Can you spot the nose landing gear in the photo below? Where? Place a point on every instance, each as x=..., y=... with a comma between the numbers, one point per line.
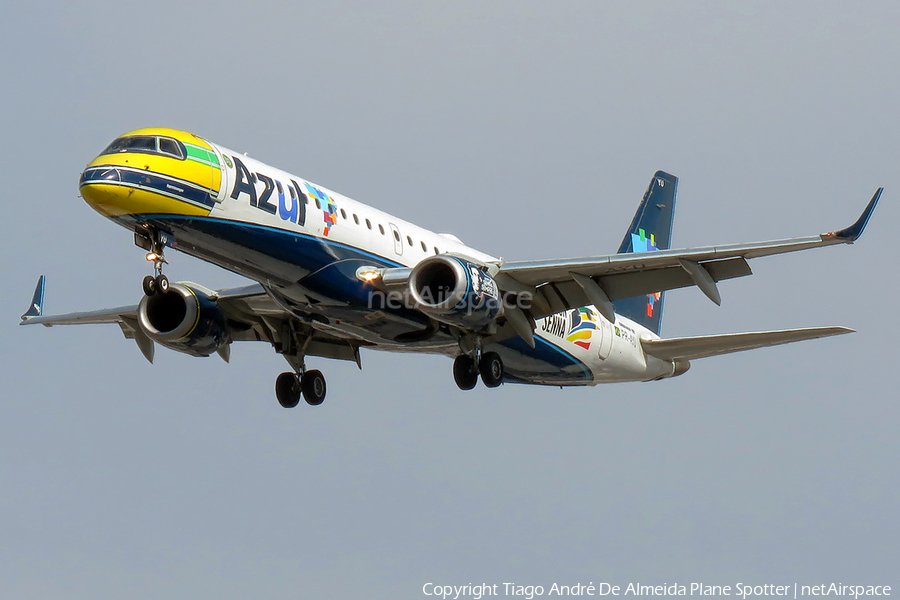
x=155, y=242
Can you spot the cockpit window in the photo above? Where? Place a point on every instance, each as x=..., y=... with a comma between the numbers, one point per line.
x=170, y=147
x=147, y=144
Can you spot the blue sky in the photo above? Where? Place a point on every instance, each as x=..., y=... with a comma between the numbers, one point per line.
x=529, y=130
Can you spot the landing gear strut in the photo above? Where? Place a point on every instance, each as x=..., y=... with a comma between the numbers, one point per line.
x=290, y=387
x=466, y=370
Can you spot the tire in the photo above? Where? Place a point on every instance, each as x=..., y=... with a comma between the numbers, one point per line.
x=287, y=390
x=149, y=285
x=162, y=283
x=464, y=372
x=313, y=385
x=491, y=367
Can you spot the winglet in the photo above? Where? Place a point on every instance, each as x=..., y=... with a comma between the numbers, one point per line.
x=852, y=233
x=37, y=301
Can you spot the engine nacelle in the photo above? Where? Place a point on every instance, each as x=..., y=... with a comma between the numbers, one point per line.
x=455, y=291
x=184, y=319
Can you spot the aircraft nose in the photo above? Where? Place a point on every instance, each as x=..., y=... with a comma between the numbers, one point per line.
x=122, y=190
x=101, y=188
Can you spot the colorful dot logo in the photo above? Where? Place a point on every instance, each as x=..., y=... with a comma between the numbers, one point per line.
x=641, y=242
x=329, y=207
x=584, y=323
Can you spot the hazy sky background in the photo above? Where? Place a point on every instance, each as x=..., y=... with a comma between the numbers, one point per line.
x=530, y=130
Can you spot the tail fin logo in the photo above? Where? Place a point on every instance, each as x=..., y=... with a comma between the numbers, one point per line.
x=652, y=299
x=641, y=242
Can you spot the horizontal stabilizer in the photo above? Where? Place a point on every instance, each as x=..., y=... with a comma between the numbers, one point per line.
x=712, y=345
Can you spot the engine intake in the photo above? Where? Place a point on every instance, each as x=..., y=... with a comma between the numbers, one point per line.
x=455, y=291
x=184, y=319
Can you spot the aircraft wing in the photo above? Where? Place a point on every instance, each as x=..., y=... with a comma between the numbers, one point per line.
x=689, y=348
x=106, y=315
x=558, y=285
x=252, y=315
x=235, y=302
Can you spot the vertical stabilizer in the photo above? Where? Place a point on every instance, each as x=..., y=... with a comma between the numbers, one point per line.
x=650, y=230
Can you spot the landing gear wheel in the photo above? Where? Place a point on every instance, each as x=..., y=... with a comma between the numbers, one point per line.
x=464, y=372
x=287, y=390
x=491, y=367
x=149, y=285
x=162, y=283
x=313, y=385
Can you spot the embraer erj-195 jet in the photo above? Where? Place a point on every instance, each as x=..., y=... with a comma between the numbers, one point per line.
x=334, y=275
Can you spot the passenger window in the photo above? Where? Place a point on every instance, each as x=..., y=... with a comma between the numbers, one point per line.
x=424, y=247
x=436, y=251
x=343, y=213
x=409, y=240
x=355, y=219
x=318, y=204
x=369, y=224
x=396, y=235
x=381, y=228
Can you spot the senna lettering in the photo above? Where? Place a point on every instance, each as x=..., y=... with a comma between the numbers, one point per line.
x=557, y=324
x=245, y=182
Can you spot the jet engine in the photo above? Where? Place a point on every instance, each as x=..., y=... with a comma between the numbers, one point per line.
x=184, y=319
x=455, y=291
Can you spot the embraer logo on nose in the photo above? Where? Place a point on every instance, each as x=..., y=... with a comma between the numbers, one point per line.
x=245, y=183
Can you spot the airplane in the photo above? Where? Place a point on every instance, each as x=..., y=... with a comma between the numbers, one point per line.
x=333, y=276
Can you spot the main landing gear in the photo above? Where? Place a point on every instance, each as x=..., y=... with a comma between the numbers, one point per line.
x=466, y=370
x=289, y=387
